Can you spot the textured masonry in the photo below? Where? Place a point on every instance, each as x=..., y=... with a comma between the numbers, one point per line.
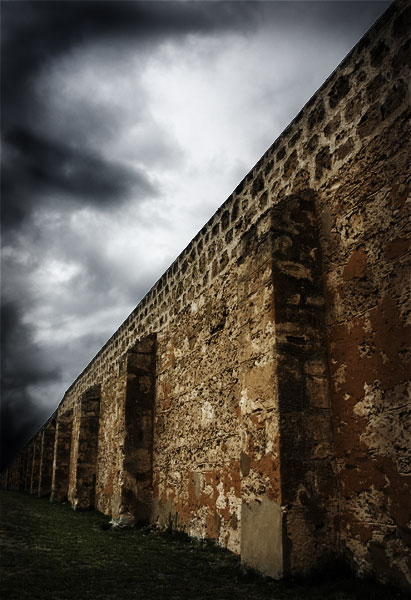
x=35, y=466
x=46, y=458
x=83, y=458
x=61, y=458
x=257, y=395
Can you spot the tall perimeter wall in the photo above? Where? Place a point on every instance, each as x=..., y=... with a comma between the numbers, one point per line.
x=258, y=394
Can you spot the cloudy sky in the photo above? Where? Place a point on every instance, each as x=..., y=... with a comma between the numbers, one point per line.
x=124, y=126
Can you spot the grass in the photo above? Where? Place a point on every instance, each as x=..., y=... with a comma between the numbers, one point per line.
x=48, y=551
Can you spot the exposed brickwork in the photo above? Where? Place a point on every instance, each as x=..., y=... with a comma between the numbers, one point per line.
x=258, y=393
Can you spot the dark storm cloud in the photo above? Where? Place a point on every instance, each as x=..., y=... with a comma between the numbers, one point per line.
x=20, y=418
x=35, y=33
x=51, y=28
x=26, y=364
x=58, y=167
x=22, y=365
x=36, y=168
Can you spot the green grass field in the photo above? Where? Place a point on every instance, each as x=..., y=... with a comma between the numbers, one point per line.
x=48, y=551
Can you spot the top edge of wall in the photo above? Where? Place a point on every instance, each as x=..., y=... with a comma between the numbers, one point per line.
x=379, y=25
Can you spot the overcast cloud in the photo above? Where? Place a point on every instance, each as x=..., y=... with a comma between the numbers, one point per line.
x=124, y=126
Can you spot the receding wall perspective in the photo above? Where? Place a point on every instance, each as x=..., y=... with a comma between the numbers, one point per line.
x=257, y=395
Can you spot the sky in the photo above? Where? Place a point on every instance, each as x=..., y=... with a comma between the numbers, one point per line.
x=124, y=126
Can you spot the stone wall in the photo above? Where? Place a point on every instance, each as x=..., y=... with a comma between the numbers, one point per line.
x=257, y=394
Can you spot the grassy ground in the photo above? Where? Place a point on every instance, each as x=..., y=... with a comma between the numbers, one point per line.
x=51, y=552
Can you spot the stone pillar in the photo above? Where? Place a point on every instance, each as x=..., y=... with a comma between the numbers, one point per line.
x=35, y=470
x=47, y=455
x=10, y=481
x=290, y=396
x=307, y=459
x=3, y=478
x=29, y=467
x=261, y=514
x=61, y=458
x=83, y=495
x=136, y=489
x=23, y=469
x=14, y=474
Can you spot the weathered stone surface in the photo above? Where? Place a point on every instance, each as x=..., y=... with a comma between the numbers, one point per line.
x=29, y=464
x=35, y=467
x=136, y=490
x=261, y=536
x=258, y=393
x=61, y=457
x=83, y=461
x=46, y=459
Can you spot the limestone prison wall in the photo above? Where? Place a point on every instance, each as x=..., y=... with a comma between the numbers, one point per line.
x=257, y=395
